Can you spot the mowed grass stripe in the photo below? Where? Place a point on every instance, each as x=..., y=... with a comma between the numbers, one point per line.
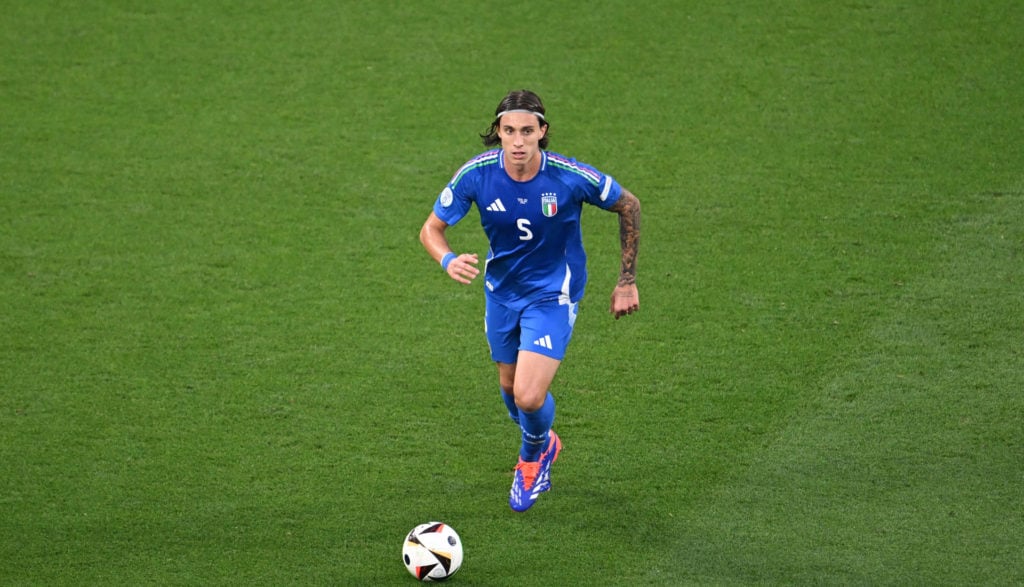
x=904, y=466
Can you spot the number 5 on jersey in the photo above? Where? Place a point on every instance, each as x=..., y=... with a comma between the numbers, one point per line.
x=524, y=229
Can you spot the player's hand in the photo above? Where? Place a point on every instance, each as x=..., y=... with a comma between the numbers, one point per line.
x=463, y=268
x=625, y=300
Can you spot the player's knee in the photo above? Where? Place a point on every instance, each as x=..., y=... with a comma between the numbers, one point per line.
x=530, y=400
x=507, y=377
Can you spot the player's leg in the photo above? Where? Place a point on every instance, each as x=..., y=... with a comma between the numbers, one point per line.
x=506, y=380
x=540, y=444
x=533, y=376
x=546, y=330
x=502, y=328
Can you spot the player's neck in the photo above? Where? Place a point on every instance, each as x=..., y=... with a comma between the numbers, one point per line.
x=524, y=171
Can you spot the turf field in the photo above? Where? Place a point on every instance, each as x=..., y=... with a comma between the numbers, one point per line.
x=225, y=358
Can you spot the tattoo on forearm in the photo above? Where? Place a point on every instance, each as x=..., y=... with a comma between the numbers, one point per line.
x=628, y=208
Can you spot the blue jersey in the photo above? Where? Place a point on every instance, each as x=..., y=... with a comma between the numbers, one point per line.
x=536, y=246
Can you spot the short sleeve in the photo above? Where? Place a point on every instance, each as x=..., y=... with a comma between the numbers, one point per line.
x=607, y=193
x=453, y=202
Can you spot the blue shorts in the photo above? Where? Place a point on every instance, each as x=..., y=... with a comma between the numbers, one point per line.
x=542, y=327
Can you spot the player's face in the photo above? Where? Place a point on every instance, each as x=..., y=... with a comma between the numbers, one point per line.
x=520, y=134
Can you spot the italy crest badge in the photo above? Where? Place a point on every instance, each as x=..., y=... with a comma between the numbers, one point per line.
x=549, y=204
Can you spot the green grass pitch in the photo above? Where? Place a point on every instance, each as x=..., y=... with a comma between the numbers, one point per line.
x=225, y=358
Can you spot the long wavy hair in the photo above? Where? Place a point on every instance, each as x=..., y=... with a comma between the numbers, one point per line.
x=516, y=100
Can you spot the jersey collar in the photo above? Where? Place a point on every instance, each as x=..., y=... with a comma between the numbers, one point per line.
x=543, y=159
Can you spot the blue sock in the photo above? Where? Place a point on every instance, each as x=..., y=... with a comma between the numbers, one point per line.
x=510, y=403
x=535, y=427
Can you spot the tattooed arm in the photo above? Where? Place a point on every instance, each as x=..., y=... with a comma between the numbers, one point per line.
x=625, y=297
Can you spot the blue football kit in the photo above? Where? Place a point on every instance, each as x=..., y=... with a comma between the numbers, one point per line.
x=535, y=272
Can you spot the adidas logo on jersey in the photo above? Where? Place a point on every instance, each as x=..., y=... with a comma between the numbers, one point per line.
x=544, y=341
x=496, y=206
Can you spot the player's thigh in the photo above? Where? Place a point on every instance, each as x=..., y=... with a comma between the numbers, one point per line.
x=546, y=328
x=501, y=325
x=546, y=332
x=534, y=374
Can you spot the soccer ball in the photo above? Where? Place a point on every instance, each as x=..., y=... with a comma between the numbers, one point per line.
x=432, y=551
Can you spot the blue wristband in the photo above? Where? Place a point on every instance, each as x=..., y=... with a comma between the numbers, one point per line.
x=447, y=259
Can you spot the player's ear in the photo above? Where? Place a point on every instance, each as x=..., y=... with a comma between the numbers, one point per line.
x=543, y=130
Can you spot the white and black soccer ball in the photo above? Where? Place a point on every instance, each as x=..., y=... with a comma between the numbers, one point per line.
x=432, y=551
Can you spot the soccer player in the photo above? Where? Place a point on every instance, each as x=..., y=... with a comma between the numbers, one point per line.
x=530, y=201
